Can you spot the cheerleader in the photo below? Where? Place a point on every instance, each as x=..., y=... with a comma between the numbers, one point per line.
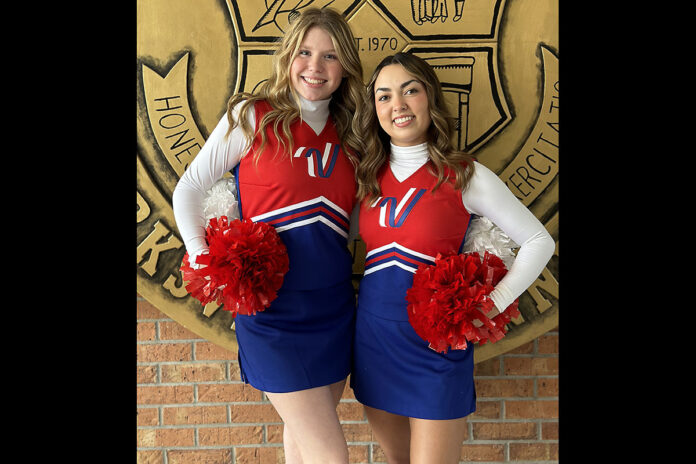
x=292, y=147
x=417, y=196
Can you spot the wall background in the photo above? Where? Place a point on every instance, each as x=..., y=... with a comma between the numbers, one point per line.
x=500, y=60
x=194, y=409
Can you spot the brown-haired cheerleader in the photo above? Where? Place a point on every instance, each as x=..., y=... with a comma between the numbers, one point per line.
x=418, y=195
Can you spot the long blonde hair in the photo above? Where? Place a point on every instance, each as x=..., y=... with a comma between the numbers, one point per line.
x=279, y=92
x=441, y=151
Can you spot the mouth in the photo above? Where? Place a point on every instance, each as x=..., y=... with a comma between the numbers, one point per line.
x=403, y=121
x=313, y=82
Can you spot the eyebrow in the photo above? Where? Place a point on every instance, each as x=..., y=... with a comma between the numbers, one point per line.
x=386, y=89
x=304, y=46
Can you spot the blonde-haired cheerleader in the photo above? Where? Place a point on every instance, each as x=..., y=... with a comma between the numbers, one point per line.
x=293, y=147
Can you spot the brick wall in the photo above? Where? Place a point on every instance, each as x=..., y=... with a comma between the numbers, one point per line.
x=194, y=409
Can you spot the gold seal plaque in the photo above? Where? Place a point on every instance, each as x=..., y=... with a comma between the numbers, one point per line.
x=498, y=64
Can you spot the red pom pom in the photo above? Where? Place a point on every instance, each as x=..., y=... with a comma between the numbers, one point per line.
x=449, y=295
x=243, y=269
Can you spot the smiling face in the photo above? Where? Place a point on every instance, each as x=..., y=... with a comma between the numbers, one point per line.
x=315, y=71
x=401, y=103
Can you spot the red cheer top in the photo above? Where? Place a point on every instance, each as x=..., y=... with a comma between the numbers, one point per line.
x=405, y=227
x=307, y=197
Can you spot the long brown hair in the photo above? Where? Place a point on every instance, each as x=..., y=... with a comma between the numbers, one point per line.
x=441, y=151
x=279, y=92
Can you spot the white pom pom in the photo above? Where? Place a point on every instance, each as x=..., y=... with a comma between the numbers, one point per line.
x=482, y=235
x=221, y=200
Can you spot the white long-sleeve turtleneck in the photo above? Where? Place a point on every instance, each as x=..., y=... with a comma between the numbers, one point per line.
x=488, y=196
x=219, y=155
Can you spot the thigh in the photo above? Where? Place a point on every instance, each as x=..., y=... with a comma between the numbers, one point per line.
x=392, y=431
x=310, y=417
x=336, y=390
x=437, y=440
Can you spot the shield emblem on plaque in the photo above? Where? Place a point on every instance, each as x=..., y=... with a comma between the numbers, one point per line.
x=194, y=54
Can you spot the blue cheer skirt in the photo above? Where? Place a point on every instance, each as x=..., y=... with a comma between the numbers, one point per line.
x=302, y=340
x=395, y=371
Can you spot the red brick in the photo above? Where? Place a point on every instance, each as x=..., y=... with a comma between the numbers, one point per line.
x=350, y=411
x=206, y=351
x=223, y=456
x=533, y=451
x=225, y=436
x=146, y=310
x=274, y=434
x=531, y=409
x=175, y=331
x=549, y=430
x=513, y=417
x=357, y=432
x=548, y=344
x=195, y=415
x=195, y=372
x=148, y=416
x=358, y=454
x=164, y=352
x=161, y=438
x=266, y=455
x=254, y=413
x=234, y=371
x=547, y=386
x=504, y=430
x=525, y=348
x=483, y=453
x=146, y=374
x=488, y=367
x=150, y=457
x=378, y=454
x=229, y=392
x=487, y=410
x=531, y=366
x=348, y=393
x=164, y=394
x=504, y=387
x=145, y=332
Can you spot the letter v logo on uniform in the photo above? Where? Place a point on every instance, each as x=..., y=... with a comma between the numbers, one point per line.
x=314, y=157
x=397, y=213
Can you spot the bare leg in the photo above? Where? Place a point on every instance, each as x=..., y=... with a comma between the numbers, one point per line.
x=437, y=440
x=311, y=425
x=292, y=452
x=392, y=432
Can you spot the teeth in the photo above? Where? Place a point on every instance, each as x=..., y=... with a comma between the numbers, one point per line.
x=314, y=81
x=403, y=119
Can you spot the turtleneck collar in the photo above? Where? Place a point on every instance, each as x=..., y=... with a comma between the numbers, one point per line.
x=415, y=154
x=404, y=161
x=315, y=113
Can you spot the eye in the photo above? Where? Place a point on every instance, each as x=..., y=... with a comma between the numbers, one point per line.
x=303, y=52
x=411, y=91
x=383, y=98
x=331, y=57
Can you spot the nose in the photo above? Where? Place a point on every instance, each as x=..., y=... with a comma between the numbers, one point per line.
x=315, y=63
x=399, y=104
